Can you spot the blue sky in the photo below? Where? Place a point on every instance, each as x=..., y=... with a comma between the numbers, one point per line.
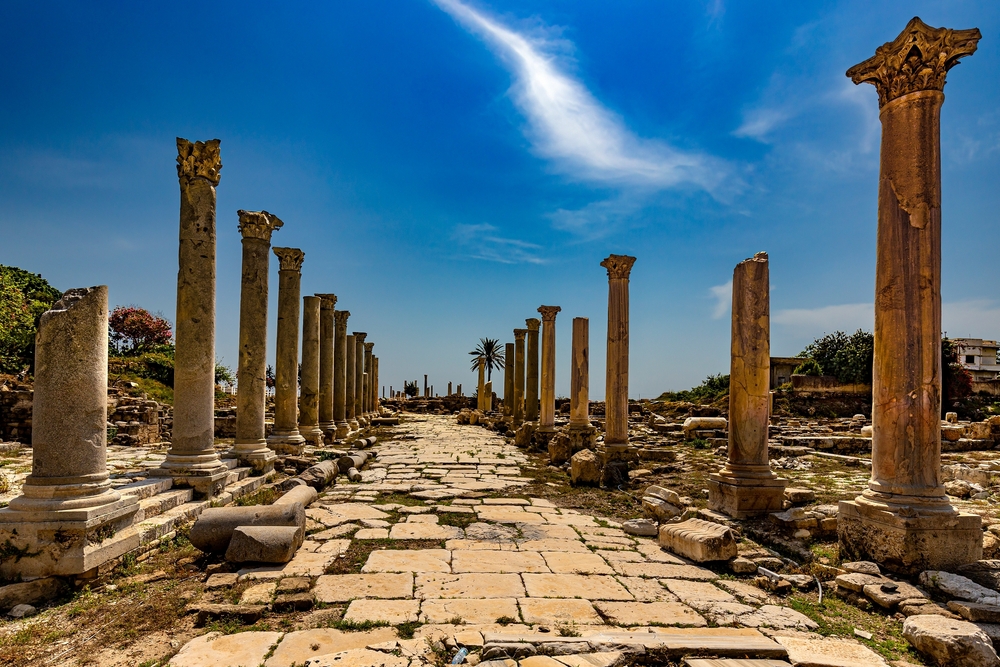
x=449, y=166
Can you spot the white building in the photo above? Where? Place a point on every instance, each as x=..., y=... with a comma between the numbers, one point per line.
x=979, y=357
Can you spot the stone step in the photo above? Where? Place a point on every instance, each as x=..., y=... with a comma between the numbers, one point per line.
x=146, y=488
x=733, y=662
x=239, y=488
x=158, y=526
x=237, y=474
x=162, y=502
x=231, y=463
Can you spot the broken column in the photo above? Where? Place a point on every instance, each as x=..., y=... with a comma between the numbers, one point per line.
x=349, y=353
x=519, y=335
x=67, y=499
x=531, y=371
x=285, y=437
x=192, y=459
x=481, y=387
x=342, y=426
x=309, y=400
x=581, y=434
x=369, y=379
x=375, y=385
x=250, y=447
x=746, y=486
x=903, y=520
x=508, y=380
x=616, y=391
x=547, y=419
x=326, y=366
x=359, y=378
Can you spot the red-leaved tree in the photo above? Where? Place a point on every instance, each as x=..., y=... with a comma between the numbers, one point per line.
x=133, y=330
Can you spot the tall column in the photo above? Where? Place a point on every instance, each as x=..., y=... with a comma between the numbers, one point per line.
x=508, y=380
x=375, y=386
x=326, y=369
x=370, y=379
x=250, y=447
x=285, y=436
x=531, y=371
x=903, y=520
x=449, y=389
x=746, y=486
x=426, y=388
x=548, y=403
x=349, y=352
x=616, y=391
x=359, y=377
x=343, y=427
x=192, y=459
x=309, y=400
x=519, y=335
x=481, y=387
x=579, y=392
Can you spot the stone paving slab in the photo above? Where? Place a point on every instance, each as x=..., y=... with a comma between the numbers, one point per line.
x=297, y=647
x=479, y=545
x=550, y=544
x=590, y=587
x=467, y=610
x=417, y=560
x=665, y=571
x=469, y=586
x=214, y=648
x=359, y=657
x=555, y=611
x=497, y=561
x=646, y=613
x=647, y=590
x=808, y=650
x=578, y=563
x=392, y=612
x=346, y=587
x=424, y=531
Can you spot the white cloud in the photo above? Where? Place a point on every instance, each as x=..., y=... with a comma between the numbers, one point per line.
x=481, y=243
x=723, y=295
x=827, y=319
x=759, y=122
x=570, y=127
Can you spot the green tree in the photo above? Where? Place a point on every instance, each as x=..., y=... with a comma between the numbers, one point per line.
x=849, y=358
x=491, y=352
x=410, y=388
x=956, y=382
x=224, y=373
x=24, y=297
x=808, y=367
x=711, y=389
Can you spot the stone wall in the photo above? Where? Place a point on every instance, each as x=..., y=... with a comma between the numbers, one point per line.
x=827, y=384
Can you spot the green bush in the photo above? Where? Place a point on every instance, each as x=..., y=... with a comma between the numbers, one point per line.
x=808, y=367
x=711, y=389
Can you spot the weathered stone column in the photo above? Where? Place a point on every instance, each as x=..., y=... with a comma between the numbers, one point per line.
x=481, y=387
x=531, y=371
x=192, y=459
x=359, y=377
x=309, y=400
x=326, y=369
x=375, y=386
x=508, y=380
x=285, y=437
x=519, y=335
x=616, y=390
x=250, y=447
x=343, y=427
x=547, y=421
x=746, y=486
x=904, y=521
x=581, y=434
x=349, y=352
x=67, y=497
x=370, y=380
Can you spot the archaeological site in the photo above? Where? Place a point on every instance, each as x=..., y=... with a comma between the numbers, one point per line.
x=277, y=465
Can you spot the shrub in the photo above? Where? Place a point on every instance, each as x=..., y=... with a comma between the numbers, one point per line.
x=808, y=367
x=133, y=331
x=24, y=297
x=848, y=358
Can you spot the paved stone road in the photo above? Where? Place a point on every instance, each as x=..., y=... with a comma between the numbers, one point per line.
x=521, y=575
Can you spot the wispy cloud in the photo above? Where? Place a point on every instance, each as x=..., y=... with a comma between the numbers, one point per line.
x=723, y=295
x=568, y=126
x=481, y=242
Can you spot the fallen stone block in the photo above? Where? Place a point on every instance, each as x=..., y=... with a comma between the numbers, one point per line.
x=353, y=475
x=352, y=460
x=320, y=474
x=248, y=614
x=950, y=643
x=585, y=469
x=798, y=496
x=29, y=592
x=22, y=611
x=302, y=494
x=958, y=586
x=215, y=525
x=659, y=509
x=264, y=544
x=704, y=424
x=293, y=602
x=640, y=527
x=698, y=540
x=975, y=612
x=664, y=494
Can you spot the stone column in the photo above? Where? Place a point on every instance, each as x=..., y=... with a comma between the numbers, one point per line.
x=426, y=388
x=67, y=497
x=481, y=386
x=250, y=447
x=581, y=434
x=375, y=386
x=343, y=427
x=285, y=437
x=449, y=389
x=519, y=376
x=359, y=377
x=370, y=380
x=548, y=403
x=903, y=521
x=309, y=401
x=349, y=367
x=616, y=390
x=326, y=366
x=192, y=459
x=508, y=380
x=531, y=371
x=746, y=486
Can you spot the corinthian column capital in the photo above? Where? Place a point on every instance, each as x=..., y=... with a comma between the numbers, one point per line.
x=918, y=59
x=199, y=159
x=290, y=259
x=340, y=317
x=369, y=346
x=533, y=323
x=327, y=302
x=520, y=333
x=549, y=312
x=258, y=224
x=359, y=336
x=618, y=266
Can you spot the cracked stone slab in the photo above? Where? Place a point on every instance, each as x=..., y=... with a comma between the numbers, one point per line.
x=417, y=560
x=214, y=648
x=646, y=613
x=331, y=588
x=392, y=612
x=497, y=561
x=467, y=610
x=298, y=647
x=554, y=611
x=469, y=586
x=578, y=563
x=590, y=587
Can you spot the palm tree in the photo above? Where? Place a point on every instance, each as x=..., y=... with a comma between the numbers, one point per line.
x=491, y=353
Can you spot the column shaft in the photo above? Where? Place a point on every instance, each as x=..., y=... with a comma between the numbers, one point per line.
x=508, y=380
x=548, y=401
x=349, y=352
x=359, y=377
x=616, y=392
x=309, y=400
x=285, y=436
x=369, y=379
x=579, y=401
x=326, y=366
x=519, y=335
x=481, y=387
x=343, y=427
x=531, y=371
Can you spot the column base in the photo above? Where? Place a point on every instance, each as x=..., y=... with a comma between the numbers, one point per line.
x=741, y=497
x=341, y=431
x=543, y=437
x=925, y=540
x=256, y=455
x=362, y=422
x=312, y=434
x=206, y=483
x=287, y=442
x=354, y=425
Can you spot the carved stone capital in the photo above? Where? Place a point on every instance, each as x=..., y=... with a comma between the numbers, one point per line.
x=359, y=336
x=369, y=346
x=533, y=323
x=199, y=159
x=918, y=59
x=519, y=334
x=549, y=312
x=327, y=302
x=340, y=317
x=289, y=259
x=258, y=224
x=618, y=266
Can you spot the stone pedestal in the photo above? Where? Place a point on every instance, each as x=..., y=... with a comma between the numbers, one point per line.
x=285, y=437
x=192, y=459
x=351, y=379
x=903, y=520
x=67, y=511
x=508, y=380
x=250, y=447
x=616, y=387
x=326, y=365
x=746, y=486
x=531, y=370
x=342, y=426
x=547, y=414
x=359, y=378
x=518, y=408
x=309, y=400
